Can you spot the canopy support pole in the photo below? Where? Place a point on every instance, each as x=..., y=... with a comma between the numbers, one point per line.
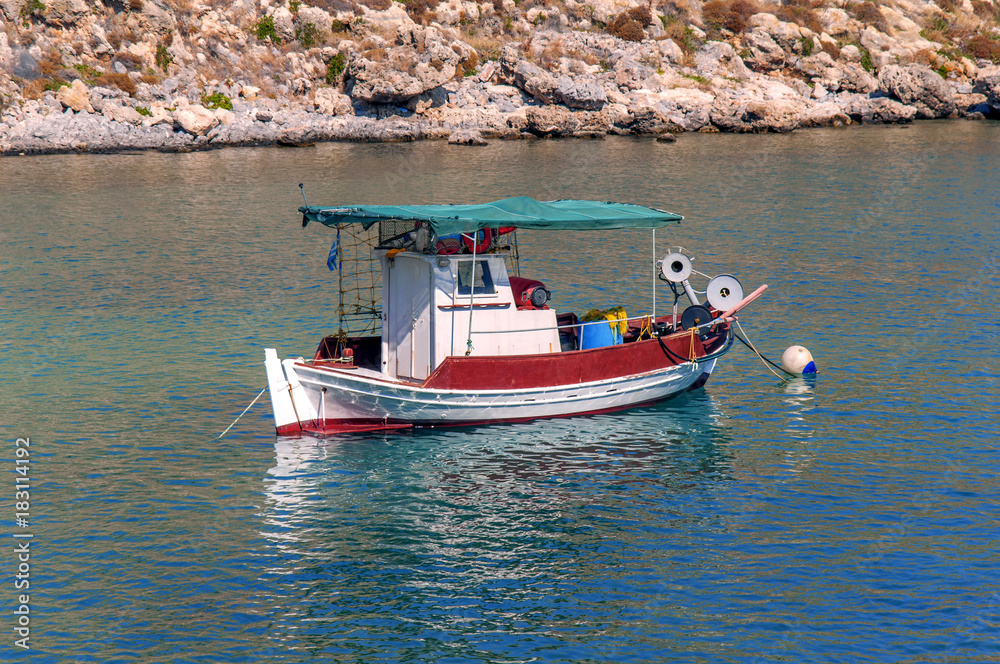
x=654, y=274
x=472, y=293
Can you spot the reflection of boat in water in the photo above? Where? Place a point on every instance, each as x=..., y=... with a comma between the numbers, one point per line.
x=465, y=340
x=398, y=528
x=687, y=434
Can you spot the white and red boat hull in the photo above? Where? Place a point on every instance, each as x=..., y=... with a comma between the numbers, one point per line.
x=329, y=397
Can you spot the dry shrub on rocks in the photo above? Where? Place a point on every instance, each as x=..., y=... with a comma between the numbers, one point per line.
x=803, y=13
x=374, y=54
x=731, y=15
x=120, y=81
x=989, y=12
x=51, y=64
x=675, y=28
x=949, y=6
x=869, y=14
x=421, y=11
x=129, y=61
x=180, y=6
x=334, y=6
x=37, y=88
x=551, y=54
x=630, y=25
x=468, y=66
x=981, y=46
x=486, y=46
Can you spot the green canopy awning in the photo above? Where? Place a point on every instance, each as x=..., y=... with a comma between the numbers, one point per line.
x=521, y=212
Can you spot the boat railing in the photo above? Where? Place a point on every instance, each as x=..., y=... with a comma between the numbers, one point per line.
x=603, y=321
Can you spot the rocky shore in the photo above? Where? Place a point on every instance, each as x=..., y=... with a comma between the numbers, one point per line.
x=178, y=75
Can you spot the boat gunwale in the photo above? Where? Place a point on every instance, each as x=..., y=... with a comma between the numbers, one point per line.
x=353, y=376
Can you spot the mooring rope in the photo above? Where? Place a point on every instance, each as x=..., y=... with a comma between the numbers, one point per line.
x=243, y=413
x=763, y=359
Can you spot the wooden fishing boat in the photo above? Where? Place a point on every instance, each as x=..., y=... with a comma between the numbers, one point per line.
x=465, y=339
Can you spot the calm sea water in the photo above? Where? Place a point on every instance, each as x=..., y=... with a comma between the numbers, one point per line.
x=853, y=518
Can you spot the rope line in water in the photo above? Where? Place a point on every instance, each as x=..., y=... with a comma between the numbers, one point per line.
x=746, y=342
x=243, y=413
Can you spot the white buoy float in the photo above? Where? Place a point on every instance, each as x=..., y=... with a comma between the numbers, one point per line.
x=798, y=360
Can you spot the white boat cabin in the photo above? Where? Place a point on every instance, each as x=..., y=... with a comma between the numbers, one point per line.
x=427, y=301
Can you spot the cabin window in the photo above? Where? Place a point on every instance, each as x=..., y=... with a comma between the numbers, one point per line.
x=480, y=284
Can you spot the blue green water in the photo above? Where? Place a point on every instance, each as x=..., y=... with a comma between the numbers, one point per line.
x=853, y=518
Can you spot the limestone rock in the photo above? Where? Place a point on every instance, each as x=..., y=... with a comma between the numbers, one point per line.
x=854, y=78
x=850, y=53
x=651, y=120
x=318, y=17
x=836, y=76
x=773, y=115
x=670, y=51
x=630, y=74
x=920, y=87
x=249, y=92
x=159, y=117
x=225, y=116
x=583, y=94
x=720, y=59
x=76, y=97
x=765, y=53
x=551, y=121
x=687, y=108
x=826, y=114
x=125, y=114
x=835, y=21
x=419, y=62
x=25, y=65
x=756, y=115
x=284, y=24
x=386, y=21
x=64, y=13
x=331, y=102
x=467, y=137
x=429, y=100
x=968, y=104
x=154, y=18
x=878, y=110
x=537, y=82
x=195, y=119
x=785, y=34
x=11, y=9
x=988, y=84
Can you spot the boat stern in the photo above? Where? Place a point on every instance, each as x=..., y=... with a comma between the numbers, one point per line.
x=286, y=419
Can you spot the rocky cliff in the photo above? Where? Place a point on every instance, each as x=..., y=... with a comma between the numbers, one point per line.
x=180, y=74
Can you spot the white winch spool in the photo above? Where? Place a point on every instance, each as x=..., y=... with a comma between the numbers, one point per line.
x=724, y=292
x=675, y=267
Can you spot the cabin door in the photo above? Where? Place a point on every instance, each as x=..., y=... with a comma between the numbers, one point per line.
x=410, y=317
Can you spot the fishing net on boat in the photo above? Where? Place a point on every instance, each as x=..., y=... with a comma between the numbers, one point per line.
x=359, y=311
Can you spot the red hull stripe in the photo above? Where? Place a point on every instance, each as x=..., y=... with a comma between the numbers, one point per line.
x=556, y=369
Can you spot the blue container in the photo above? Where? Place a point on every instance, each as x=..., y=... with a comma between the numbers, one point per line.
x=597, y=335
